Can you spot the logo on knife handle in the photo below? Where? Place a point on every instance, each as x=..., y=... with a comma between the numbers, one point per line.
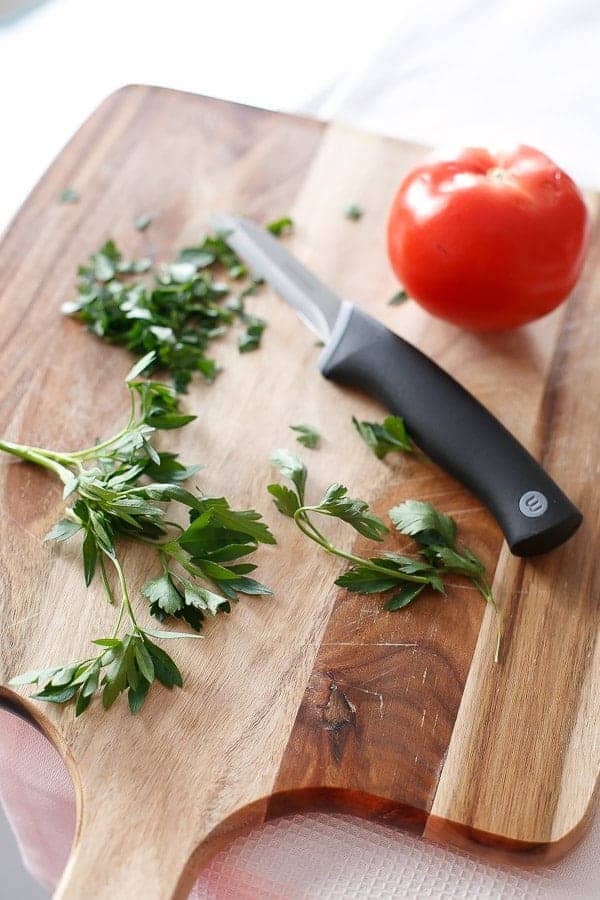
x=533, y=504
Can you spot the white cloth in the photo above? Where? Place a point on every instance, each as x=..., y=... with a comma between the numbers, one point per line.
x=489, y=73
x=452, y=72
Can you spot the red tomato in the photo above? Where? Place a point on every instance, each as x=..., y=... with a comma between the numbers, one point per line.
x=488, y=241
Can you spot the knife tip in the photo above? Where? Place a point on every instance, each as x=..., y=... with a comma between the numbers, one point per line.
x=222, y=221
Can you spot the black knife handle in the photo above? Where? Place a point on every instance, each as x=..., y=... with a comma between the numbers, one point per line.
x=454, y=429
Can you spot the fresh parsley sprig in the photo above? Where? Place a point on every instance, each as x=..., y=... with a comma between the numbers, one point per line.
x=132, y=663
x=308, y=435
x=119, y=489
x=405, y=576
x=435, y=534
x=371, y=575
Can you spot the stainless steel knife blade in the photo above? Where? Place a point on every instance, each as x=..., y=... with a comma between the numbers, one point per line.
x=316, y=305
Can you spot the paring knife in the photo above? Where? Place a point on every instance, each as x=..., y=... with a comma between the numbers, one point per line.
x=447, y=422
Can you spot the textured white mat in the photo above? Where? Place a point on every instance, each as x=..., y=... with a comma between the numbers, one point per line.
x=306, y=856
x=343, y=857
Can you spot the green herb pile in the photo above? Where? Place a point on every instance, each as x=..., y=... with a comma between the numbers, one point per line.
x=403, y=577
x=119, y=489
x=178, y=315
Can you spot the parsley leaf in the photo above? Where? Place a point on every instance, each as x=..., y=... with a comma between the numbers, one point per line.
x=382, y=439
x=404, y=597
x=69, y=195
x=335, y=502
x=142, y=221
x=425, y=523
x=452, y=561
x=364, y=580
x=281, y=226
x=307, y=435
x=245, y=522
x=353, y=212
x=366, y=575
x=63, y=530
x=398, y=298
x=286, y=500
x=162, y=594
x=250, y=338
x=291, y=466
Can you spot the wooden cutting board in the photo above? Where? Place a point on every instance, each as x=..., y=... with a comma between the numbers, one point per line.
x=315, y=698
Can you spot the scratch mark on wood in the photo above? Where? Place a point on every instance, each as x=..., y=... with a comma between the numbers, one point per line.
x=361, y=644
x=377, y=694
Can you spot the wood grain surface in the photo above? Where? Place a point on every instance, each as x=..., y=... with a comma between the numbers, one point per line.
x=315, y=698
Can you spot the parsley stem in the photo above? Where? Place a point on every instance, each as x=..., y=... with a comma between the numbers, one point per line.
x=172, y=549
x=302, y=520
x=131, y=422
x=55, y=462
x=173, y=525
x=319, y=536
x=105, y=581
x=125, y=601
x=486, y=592
x=92, y=452
x=67, y=458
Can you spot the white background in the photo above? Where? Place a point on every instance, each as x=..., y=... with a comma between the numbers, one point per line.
x=452, y=71
x=60, y=60
x=438, y=72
